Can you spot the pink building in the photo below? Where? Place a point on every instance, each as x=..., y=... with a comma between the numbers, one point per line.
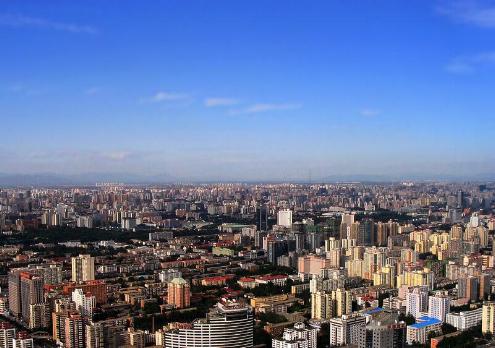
x=312, y=264
x=179, y=293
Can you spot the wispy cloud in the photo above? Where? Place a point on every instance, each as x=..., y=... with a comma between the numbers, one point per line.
x=92, y=90
x=476, y=12
x=20, y=21
x=469, y=64
x=117, y=155
x=263, y=107
x=212, y=102
x=163, y=96
x=367, y=112
x=22, y=89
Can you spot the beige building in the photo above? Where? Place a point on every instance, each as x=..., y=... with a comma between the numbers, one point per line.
x=83, y=268
x=488, y=318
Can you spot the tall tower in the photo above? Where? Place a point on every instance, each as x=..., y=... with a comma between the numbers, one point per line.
x=7, y=334
x=488, y=318
x=262, y=217
x=31, y=292
x=15, y=292
x=74, y=331
x=83, y=268
x=284, y=218
x=179, y=293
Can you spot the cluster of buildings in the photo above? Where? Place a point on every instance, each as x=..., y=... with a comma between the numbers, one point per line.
x=379, y=265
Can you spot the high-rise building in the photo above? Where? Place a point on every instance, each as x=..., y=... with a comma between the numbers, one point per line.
x=438, y=306
x=74, y=331
x=52, y=273
x=468, y=288
x=14, y=280
x=488, y=318
x=31, y=293
x=136, y=338
x=297, y=337
x=485, y=285
x=374, y=259
x=229, y=324
x=179, y=293
x=83, y=268
x=417, y=301
x=7, y=334
x=284, y=218
x=85, y=303
x=460, y=199
x=276, y=247
x=385, y=331
x=94, y=335
x=23, y=340
x=300, y=239
x=366, y=235
x=39, y=315
x=326, y=305
x=348, y=330
x=262, y=217
x=312, y=264
x=48, y=273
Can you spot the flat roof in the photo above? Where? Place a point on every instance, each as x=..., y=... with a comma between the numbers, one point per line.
x=425, y=321
x=374, y=310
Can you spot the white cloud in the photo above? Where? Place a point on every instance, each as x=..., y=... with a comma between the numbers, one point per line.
x=369, y=112
x=19, y=21
x=117, y=155
x=476, y=12
x=93, y=90
x=211, y=102
x=262, y=107
x=469, y=64
x=22, y=89
x=162, y=96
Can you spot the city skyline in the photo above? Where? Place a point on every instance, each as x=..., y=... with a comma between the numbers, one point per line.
x=247, y=91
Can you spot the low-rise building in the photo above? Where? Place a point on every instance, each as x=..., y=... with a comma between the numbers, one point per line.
x=465, y=320
x=297, y=337
x=418, y=333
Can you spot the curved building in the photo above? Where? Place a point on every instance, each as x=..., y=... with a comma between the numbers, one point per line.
x=228, y=325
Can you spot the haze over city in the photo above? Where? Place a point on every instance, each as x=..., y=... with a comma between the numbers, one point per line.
x=247, y=174
x=168, y=91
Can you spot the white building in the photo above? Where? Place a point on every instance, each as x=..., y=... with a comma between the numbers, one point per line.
x=438, y=306
x=229, y=323
x=83, y=268
x=417, y=301
x=297, y=337
x=167, y=275
x=418, y=333
x=347, y=330
x=85, y=221
x=85, y=303
x=22, y=341
x=7, y=334
x=4, y=304
x=284, y=218
x=465, y=320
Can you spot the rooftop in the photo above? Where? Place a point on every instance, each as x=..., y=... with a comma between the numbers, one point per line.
x=424, y=322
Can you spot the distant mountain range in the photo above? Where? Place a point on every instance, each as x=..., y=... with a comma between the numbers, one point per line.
x=51, y=179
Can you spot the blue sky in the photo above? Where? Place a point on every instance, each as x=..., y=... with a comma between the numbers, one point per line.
x=222, y=90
